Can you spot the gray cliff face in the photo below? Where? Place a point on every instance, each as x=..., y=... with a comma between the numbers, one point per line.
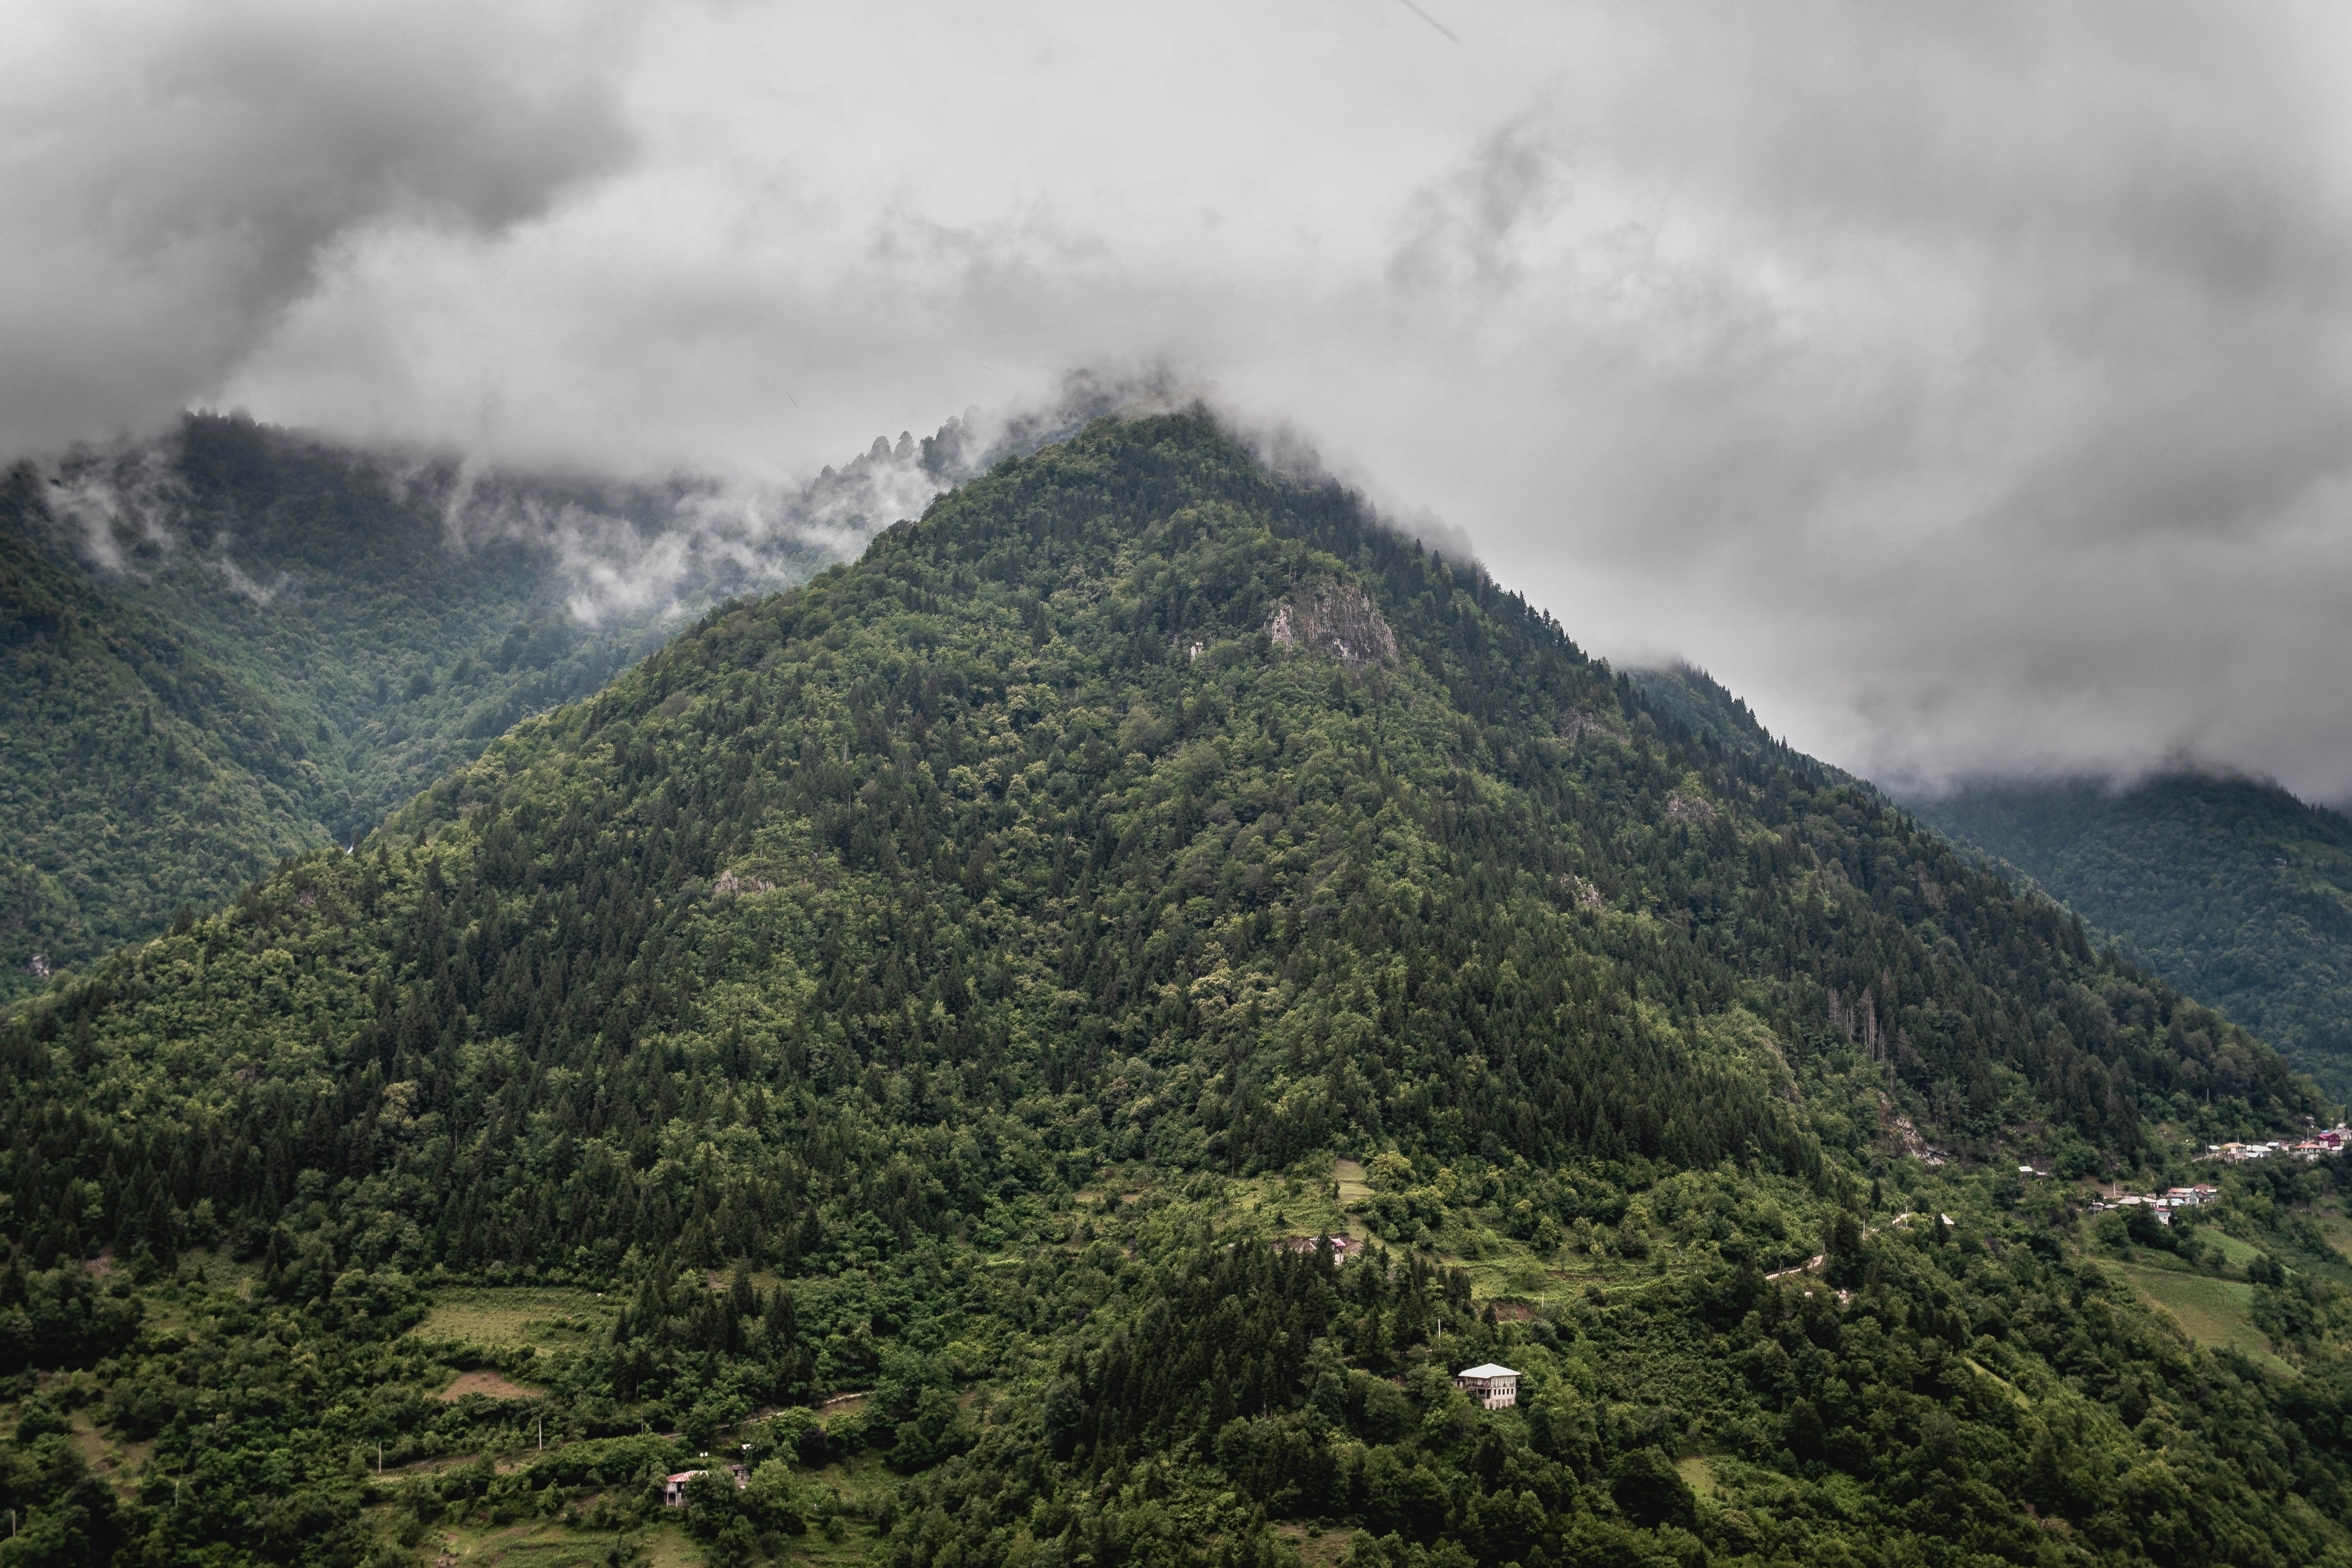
x=1335, y=618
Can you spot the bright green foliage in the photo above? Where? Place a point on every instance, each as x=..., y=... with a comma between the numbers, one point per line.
x=287, y=646
x=2232, y=889
x=1137, y=816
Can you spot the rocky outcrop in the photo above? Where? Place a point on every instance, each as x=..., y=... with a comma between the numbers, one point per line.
x=1689, y=807
x=1575, y=723
x=1335, y=618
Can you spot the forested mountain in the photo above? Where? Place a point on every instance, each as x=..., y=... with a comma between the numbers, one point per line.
x=2230, y=888
x=944, y=979
x=239, y=643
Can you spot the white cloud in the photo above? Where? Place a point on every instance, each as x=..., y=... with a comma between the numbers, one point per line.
x=1963, y=385
x=175, y=176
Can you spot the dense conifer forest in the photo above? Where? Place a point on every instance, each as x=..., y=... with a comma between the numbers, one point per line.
x=888, y=1036
x=2230, y=888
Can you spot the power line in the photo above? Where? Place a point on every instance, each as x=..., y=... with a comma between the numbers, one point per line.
x=1432, y=21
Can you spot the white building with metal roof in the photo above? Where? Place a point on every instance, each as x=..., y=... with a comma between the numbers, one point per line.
x=1495, y=1387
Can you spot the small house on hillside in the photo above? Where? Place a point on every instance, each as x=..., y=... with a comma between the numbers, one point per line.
x=1495, y=1387
x=1343, y=1247
x=674, y=1487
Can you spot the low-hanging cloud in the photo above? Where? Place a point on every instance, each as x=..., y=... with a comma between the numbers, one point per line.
x=614, y=550
x=1964, y=385
x=176, y=177
x=621, y=548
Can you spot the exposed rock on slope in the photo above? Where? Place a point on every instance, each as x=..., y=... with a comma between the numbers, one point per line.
x=1335, y=618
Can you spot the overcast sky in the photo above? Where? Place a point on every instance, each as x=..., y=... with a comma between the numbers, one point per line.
x=1966, y=385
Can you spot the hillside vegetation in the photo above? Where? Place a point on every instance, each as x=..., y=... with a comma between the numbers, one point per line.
x=239, y=644
x=943, y=981
x=1687, y=696
x=2232, y=889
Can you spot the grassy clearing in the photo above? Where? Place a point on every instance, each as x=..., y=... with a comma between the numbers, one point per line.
x=1502, y=1269
x=861, y=1478
x=552, y=1544
x=440, y=1464
x=1698, y=1473
x=2155, y=1257
x=538, y=1316
x=117, y=1464
x=855, y=1544
x=1317, y=1548
x=548, y=1543
x=2216, y=1313
x=1354, y=1190
x=217, y=1270
x=1509, y=1271
x=2235, y=1256
x=2238, y=1253
x=531, y=1546
x=487, y=1383
x=1291, y=1207
x=2329, y=1217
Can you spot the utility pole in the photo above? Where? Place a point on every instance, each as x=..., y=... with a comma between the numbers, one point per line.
x=542, y=1434
x=379, y=1458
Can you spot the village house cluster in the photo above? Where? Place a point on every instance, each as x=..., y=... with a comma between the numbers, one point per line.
x=2160, y=1204
x=2315, y=1147
x=2163, y=1205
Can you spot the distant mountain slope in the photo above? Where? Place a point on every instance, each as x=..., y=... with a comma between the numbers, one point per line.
x=136, y=771
x=2234, y=890
x=238, y=643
